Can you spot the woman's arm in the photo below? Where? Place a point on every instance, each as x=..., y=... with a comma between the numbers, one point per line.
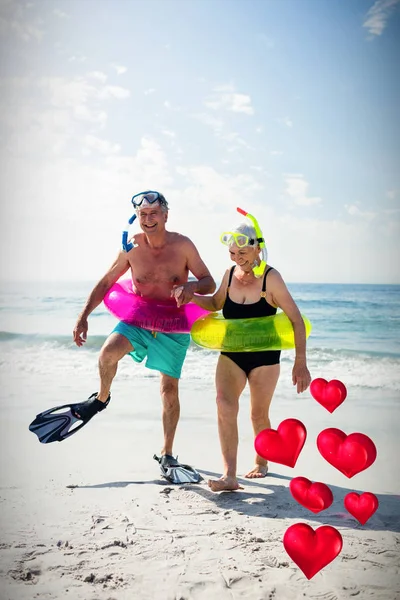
x=216, y=301
x=282, y=298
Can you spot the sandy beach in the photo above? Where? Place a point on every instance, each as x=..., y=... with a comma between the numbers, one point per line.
x=91, y=519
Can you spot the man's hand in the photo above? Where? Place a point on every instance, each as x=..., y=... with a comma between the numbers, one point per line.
x=183, y=293
x=80, y=331
x=301, y=376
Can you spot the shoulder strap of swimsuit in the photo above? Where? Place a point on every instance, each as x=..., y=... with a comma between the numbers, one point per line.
x=263, y=294
x=230, y=279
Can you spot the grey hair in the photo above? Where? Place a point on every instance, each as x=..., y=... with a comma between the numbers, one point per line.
x=250, y=231
x=246, y=229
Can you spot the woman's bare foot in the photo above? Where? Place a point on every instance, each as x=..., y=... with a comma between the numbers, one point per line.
x=258, y=472
x=224, y=484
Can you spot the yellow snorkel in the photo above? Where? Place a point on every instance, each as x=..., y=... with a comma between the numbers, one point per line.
x=258, y=270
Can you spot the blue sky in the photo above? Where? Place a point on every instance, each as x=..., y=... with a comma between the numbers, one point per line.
x=286, y=108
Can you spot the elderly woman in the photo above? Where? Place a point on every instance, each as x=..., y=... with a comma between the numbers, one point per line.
x=251, y=288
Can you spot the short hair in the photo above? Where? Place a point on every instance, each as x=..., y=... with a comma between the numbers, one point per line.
x=248, y=230
x=251, y=233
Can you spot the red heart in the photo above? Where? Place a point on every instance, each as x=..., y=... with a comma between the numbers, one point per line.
x=312, y=550
x=330, y=395
x=350, y=454
x=361, y=506
x=284, y=445
x=314, y=496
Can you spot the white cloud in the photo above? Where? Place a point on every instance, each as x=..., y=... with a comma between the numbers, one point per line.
x=378, y=15
x=168, y=133
x=213, y=122
x=297, y=188
x=149, y=91
x=392, y=194
x=120, y=69
x=276, y=152
x=99, y=75
x=114, y=91
x=236, y=139
x=80, y=58
x=225, y=98
x=286, y=121
x=60, y=14
x=81, y=96
x=355, y=211
x=16, y=20
x=92, y=142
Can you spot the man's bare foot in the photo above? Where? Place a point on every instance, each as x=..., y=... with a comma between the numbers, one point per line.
x=224, y=484
x=258, y=472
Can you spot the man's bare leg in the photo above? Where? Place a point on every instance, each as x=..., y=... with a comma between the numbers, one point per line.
x=114, y=348
x=230, y=382
x=170, y=411
x=262, y=382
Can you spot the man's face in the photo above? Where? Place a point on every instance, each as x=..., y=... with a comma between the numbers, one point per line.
x=152, y=219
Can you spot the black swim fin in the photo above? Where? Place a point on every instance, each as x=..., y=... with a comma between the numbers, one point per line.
x=175, y=472
x=55, y=426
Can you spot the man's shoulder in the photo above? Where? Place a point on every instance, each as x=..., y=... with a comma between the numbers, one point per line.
x=179, y=238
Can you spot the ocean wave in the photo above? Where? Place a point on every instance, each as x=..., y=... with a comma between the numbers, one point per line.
x=58, y=360
x=94, y=342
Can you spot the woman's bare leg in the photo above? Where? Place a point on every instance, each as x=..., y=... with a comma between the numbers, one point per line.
x=230, y=382
x=262, y=382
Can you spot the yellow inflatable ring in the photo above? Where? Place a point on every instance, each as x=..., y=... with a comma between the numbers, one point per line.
x=245, y=335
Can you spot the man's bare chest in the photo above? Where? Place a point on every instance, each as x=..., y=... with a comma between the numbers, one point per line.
x=159, y=269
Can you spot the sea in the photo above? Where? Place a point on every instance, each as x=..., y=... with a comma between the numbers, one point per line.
x=355, y=337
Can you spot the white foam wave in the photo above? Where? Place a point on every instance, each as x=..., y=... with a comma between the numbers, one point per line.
x=58, y=364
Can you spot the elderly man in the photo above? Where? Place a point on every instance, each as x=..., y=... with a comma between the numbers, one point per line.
x=160, y=262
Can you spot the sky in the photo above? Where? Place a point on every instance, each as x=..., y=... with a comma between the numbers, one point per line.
x=285, y=108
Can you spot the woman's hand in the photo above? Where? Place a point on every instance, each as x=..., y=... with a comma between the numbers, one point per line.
x=183, y=293
x=301, y=375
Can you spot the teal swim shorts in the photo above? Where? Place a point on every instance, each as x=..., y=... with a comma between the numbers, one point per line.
x=165, y=351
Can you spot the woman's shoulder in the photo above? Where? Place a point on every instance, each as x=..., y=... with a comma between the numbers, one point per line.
x=272, y=274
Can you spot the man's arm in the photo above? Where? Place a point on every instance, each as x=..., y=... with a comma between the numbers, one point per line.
x=205, y=283
x=96, y=296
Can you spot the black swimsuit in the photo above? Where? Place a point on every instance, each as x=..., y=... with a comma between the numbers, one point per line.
x=233, y=310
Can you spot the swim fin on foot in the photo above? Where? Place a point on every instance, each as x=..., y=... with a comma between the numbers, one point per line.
x=55, y=426
x=175, y=472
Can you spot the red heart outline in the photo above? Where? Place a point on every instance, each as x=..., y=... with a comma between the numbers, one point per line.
x=350, y=454
x=361, y=506
x=283, y=445
x=329, y=394
x=312, y=550
x=315, y=496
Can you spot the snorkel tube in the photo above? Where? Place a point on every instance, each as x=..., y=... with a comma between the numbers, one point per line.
x=258, y=270
x=126, y=246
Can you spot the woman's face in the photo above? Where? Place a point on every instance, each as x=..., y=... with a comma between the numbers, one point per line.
x=244, y=257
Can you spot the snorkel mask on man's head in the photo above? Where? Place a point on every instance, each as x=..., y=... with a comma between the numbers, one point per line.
x=149, y=198
x=142, y=200
x=251, y=237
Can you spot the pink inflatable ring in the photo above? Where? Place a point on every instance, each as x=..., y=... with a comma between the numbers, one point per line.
x=149, y=313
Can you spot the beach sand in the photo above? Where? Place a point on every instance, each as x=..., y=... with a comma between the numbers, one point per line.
x=91, y=518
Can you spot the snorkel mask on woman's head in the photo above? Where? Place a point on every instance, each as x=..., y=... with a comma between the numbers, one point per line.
x=241, y=240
